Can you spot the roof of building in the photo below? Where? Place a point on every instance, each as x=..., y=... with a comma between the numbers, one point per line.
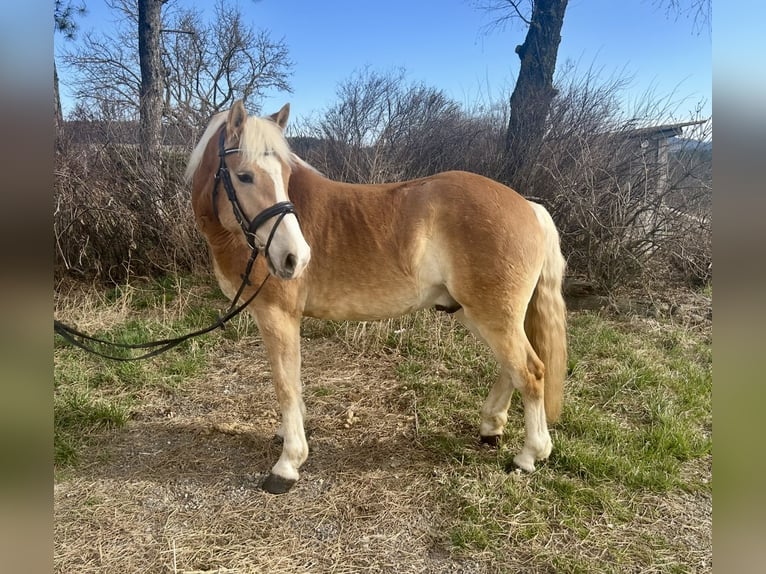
x=663, y=131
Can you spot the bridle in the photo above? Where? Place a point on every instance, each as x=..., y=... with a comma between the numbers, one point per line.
x=249, y=228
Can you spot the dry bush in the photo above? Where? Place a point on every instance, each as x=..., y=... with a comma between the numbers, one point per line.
x=628, y=213
x=627, y=216
x=108, y=227
x=381, y=129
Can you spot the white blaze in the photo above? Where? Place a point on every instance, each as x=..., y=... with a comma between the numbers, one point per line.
x=288, y=238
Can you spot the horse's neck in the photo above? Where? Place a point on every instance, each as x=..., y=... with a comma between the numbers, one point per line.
x=308, y=184
x=303, y=179
x=330, y=208
x=310, y=190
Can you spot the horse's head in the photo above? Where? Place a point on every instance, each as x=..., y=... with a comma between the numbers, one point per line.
x=241, y=169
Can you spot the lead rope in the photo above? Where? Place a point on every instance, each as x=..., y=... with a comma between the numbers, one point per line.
x=81, y=340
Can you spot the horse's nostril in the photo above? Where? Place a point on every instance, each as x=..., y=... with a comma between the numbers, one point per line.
x=290, y=263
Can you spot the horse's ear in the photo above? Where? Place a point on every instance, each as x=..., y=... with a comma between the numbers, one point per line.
x=236, y=120
x=280, y=118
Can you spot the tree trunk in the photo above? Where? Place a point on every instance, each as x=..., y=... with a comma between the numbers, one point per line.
x=532, y=96
x=58, y=120
x=150, y=95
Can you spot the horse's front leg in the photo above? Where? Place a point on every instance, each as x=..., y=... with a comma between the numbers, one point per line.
x=281, y=336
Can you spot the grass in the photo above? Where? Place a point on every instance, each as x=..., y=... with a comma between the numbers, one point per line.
x=92, y=394
x=627, y=487
x=637, y=415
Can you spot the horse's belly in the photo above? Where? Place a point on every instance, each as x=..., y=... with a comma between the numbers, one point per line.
x=372, y=293
x=348, y=307
x=371, y=304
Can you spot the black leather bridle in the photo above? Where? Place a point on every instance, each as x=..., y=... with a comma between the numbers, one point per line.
x=249, y=228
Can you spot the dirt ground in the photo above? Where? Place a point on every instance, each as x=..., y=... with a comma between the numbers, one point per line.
x=177, y=489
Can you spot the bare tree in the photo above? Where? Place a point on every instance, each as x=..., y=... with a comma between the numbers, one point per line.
x=106, y=68
x=533, y=93
x=700, y=11
x=207, y=69
x=205, y=65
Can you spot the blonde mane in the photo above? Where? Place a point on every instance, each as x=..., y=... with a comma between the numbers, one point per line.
x=260, y=136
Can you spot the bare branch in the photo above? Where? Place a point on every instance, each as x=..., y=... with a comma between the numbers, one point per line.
x=204, y=70
x=503, y=12
x=699, y=11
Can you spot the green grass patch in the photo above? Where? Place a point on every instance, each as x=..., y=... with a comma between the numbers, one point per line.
x=637, y=412
x=93, y=395
x=78, y=414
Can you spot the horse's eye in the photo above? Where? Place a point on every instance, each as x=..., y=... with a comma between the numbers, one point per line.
x=245, y=177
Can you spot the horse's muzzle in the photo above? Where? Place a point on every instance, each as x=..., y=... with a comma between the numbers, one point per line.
x=289, y=265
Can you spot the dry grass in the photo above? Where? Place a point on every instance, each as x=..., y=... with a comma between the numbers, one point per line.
x=177, y=488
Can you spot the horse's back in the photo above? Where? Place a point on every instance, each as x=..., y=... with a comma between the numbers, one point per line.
x=483, y=214
x=474, y=199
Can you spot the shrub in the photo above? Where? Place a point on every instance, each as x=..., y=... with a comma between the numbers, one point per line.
x=107, y=226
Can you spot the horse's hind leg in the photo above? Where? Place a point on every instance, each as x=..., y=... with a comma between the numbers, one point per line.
x=281, y=336
x=528, y=378
x=494, y=412
x=521, y=369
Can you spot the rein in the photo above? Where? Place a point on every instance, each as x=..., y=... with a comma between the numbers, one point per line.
x=83, y=341
x=249, y=228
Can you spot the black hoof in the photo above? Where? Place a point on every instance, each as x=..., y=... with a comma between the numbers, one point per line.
x=275, y=484
x=491, y=440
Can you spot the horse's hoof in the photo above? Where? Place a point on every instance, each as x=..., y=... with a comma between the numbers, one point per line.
x=275, y=484
x=491, y=440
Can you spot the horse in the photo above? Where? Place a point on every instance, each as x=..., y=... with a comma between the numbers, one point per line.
x=456, y=241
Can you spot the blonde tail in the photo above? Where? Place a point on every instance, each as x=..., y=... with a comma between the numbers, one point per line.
x=546, y=319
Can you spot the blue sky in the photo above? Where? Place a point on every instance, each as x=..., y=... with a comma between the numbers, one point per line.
x=446, y=44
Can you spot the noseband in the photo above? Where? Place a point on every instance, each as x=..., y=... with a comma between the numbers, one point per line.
x=249, y=226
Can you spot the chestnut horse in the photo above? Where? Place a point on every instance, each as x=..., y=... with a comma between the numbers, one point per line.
x=455, y=241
